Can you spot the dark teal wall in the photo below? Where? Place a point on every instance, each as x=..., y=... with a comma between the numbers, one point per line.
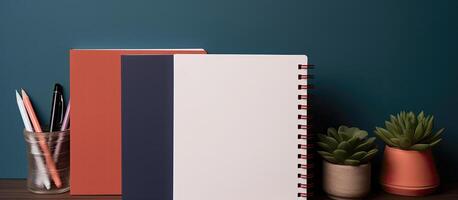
x=373, y=57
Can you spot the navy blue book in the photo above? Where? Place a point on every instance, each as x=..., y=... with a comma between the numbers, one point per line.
x=205, y=127
x=147, y=127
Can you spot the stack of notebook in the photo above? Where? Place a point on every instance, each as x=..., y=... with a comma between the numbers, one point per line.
x=194, y=126
x=95, y=89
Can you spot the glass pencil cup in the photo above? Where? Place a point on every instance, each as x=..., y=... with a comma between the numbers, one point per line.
x=49, y=161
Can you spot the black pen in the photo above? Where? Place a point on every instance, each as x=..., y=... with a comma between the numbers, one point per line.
x=57, y=109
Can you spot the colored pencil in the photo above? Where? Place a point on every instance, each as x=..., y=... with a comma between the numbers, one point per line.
x=41, y=140
x=42, y=178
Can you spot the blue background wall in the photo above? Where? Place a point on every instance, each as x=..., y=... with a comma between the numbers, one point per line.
x=373, y=57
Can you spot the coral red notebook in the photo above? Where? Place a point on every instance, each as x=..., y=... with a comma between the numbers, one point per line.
x=95, y=90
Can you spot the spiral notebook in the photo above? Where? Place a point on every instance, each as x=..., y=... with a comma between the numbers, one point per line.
x=205, y=127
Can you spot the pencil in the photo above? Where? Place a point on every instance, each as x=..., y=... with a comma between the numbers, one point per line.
x=42, y=178
x=41, y=140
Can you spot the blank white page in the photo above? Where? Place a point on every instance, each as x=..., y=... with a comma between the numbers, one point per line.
x=235, y=127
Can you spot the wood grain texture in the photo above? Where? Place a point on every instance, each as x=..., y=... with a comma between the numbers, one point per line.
x=446, y=192
x=16, y=189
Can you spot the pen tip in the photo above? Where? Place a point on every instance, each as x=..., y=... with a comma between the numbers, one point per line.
x=58, y=87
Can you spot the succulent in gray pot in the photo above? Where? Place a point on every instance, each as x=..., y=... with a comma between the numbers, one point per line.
x=347, y=153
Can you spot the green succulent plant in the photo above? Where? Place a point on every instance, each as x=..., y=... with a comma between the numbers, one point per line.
x=347, y=146
x=410, y=132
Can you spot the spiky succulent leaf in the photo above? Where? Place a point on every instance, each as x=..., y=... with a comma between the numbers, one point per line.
x=435, y=143
x=434, y=137
x=427, y=128
x=421, y=116
x=393, y=125
x=409, y=131
x=430, y=126
x=385, y=132
x=405, y=142
x=410, y=126
x=384, y=138
x=419, y=132
x=412, y=119
x=396, y=141
x=419, y=147
x=401, y=123
x=391, y=131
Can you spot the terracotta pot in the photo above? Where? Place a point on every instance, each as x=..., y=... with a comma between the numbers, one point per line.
x=346, y=182
x=409, y=173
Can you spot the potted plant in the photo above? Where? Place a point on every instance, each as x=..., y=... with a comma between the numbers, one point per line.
x=346, y=166
x=408, y=166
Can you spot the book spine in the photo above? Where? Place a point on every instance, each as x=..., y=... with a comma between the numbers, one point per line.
x=304, y=174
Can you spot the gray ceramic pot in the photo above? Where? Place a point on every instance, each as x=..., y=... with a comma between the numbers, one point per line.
x=346, y=182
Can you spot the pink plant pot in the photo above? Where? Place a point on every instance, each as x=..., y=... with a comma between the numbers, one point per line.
x=409, y=173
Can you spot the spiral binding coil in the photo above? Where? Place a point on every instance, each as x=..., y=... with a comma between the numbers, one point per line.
x=301, y=136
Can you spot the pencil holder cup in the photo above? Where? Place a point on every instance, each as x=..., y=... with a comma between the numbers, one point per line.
x=49, y=161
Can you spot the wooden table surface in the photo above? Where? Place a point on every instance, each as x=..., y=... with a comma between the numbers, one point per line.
x=445, y=192
x=16, y=189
